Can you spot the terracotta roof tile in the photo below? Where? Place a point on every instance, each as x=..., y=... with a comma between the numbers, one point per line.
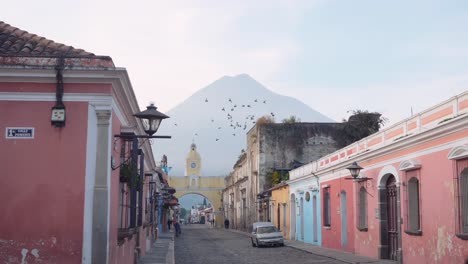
x=17, y=42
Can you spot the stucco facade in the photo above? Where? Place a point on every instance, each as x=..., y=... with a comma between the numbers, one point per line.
x=280, y=208
x=62, y=183
x=408, y=207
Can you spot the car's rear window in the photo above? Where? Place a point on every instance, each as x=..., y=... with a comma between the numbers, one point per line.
x=266, y=229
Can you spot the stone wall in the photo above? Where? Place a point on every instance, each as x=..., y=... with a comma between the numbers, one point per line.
x=281, y=144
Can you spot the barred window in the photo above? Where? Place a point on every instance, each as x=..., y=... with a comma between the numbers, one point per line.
x=362, y=221
x=326, y=207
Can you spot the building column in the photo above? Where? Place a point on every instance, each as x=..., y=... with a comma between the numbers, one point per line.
x=100, y=228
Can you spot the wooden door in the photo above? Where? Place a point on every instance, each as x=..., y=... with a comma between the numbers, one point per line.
x=392, y=218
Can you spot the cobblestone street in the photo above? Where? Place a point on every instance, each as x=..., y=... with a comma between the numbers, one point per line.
x=205, y=245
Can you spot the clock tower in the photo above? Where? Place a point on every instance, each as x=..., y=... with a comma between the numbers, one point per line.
x=193, y=162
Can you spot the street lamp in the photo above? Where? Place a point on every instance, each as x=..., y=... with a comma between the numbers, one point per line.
x=151, y=119
x=354, y=169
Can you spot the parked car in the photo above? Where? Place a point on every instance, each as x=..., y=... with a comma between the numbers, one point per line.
x=266, y=234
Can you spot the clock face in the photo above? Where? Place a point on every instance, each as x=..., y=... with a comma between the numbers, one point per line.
x=193, y=165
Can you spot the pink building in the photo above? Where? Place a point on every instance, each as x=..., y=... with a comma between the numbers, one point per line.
x=410, y=200
x=65, y=193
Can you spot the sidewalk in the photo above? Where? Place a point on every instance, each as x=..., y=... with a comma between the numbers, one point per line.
x=162, y=251
x=343, y=256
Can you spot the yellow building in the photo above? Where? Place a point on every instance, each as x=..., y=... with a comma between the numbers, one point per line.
x=209, y=187
x=279, y=208
x=193, y=162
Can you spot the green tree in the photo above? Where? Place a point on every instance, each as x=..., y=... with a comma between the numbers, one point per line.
x=291, y=120
x=359, y=125
x=276, y=178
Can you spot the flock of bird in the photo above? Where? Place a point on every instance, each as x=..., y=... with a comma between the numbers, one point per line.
x=235, y=124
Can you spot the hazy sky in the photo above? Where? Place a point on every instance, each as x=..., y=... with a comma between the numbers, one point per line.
x=385, y=56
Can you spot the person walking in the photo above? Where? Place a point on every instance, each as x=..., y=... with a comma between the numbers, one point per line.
x=169, y=222
x=177, y=228
x=226, y=223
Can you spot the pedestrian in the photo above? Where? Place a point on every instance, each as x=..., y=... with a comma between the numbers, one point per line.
x=177, y=227
x=212, y=222
x=226, y=223
x=169, y=222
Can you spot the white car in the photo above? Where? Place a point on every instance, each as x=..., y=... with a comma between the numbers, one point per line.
x=266, y=234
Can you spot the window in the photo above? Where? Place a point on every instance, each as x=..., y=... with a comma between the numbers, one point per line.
x=459, y=155
x=326, y=207
x=462, y=198
x=414, y=223
x=362, y=207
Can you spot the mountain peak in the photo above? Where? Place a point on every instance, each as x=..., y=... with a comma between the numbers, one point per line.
x=225, y=110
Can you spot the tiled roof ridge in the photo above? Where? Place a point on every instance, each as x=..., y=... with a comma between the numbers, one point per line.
x=15, y=41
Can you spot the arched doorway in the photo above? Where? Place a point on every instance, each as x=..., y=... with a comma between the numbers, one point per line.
x=390, y=213
x=292, y=233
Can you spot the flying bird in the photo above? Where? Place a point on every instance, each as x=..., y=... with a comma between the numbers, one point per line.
x=212, y=120
x=230, y=100
x=217, y=139
x=272, y=114
x=223, y=109
x=248, y=105
x=243, y=105
x=219, y=127
x=234, y=134
x=175, y=124
x=255, y=100
x=264, y=101
x=206, y=100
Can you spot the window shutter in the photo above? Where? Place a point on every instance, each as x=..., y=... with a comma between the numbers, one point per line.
x=464, y=200
x=413, y=203
x=326, y=207
x=362, y=207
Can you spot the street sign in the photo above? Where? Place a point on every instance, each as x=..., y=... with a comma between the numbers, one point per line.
x=19, y=133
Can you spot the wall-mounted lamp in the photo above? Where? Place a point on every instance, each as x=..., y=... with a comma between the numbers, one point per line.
x=58, y=110
x=354, y=169
x=151, y=119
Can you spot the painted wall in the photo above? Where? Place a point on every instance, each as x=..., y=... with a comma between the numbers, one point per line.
x=426, y=139
x=281, y=197
x=43, y=182
x=302, y=189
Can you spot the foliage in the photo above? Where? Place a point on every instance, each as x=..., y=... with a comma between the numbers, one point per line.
x=291, y=120
x=126, y=170
x=265, y=120
x=359, y=125
x=279, y=176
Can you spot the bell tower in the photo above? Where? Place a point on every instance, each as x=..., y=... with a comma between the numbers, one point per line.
x=193, y=162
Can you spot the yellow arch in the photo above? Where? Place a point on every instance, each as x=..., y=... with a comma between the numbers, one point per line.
x=210, y=187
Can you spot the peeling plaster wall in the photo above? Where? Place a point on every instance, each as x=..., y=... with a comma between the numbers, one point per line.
x=43, y=182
